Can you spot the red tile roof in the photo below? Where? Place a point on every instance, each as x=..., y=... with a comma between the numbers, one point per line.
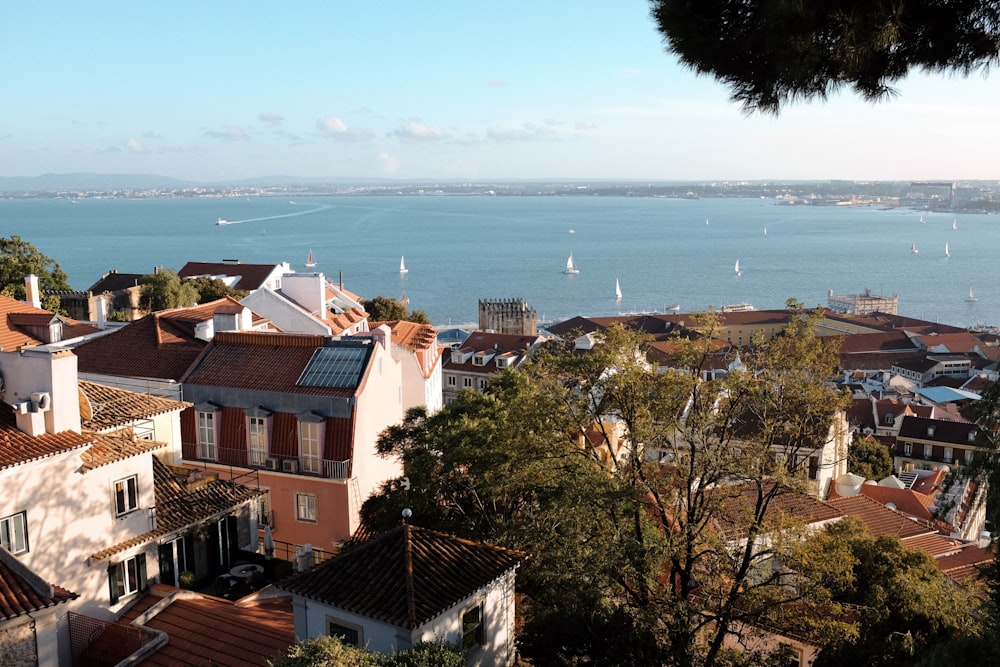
x=17, y=447
x=17, y=317
x=405, y=576
x=205, y=630
x=22, y=592
x=881, y=520
x=103, y=407
x=410, y=335
x=265, y=362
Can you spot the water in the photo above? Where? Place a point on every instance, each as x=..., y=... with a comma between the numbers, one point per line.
x=461, y=249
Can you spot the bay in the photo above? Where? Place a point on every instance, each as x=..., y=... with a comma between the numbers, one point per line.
x=460, y=249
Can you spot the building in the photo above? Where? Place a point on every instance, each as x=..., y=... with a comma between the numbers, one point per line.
x=481, y=356
x=237, y=275
x=508, y=316
x=410, y=585
x=415, y=347
x=113, y=294
x=863, y=304
x=303, y=414
x=308, y=303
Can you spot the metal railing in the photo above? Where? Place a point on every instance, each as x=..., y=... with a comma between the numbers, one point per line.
x=95, y=641
x=242, y=458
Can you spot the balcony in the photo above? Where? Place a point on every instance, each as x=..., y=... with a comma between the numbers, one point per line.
x=96, y=643
x=243, y=458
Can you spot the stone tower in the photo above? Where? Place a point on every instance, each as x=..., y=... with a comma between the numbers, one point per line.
x=508, y=316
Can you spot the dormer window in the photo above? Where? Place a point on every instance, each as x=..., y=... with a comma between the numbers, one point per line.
x=890, y=418
x=930, y=431
x=503, y=362
x=972, y=435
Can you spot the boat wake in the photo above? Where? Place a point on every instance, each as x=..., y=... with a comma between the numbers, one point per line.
x=275, y=217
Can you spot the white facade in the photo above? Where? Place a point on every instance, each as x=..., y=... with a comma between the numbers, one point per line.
x=313, y=618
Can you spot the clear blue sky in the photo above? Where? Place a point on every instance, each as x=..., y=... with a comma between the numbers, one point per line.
x=214, y=90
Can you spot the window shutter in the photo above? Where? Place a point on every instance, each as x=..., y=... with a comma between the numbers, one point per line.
x=140, y=568
x=113, y=582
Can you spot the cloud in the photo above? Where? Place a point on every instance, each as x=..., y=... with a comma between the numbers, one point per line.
x=150, y=134
x=416, y=131
x=331, y=126
x=585, y=125
x=231, y=133
x=388, y=164
x=272, y=119
x=526, y=132
x=135, y=147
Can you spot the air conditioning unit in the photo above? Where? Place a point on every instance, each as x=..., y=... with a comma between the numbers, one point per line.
x=23, y=408
x=271, y=463
x=290, y=465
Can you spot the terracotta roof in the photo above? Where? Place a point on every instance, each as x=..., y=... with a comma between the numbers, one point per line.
x=410, y=334
x=496, y=343
x=967, y=565
x=17, y=317
x=935, y=544
x=340, y=323
x=108, y=448
x=405, y=576
x=17, y=447
x=252, y=276
x=887, y=322
x=205, y=630
x=181, y=504
x=110, y=408
x=955, y=343
x=879, y=519
x=731, y=521
x=268, y=362
x=883, y=341
x=22, y=592
x=906, y=501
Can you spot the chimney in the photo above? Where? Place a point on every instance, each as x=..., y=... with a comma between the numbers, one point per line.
x=102, y=317
x=32, y=295
x=382, y=335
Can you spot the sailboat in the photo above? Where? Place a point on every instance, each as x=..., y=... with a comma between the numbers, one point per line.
x=402, y=265
x=971, y=297
x=922, y=220
x=618, y=290
x=310, y=262
x=737, y=269
x=765, y=232
x=946, y=253
x=570, y=268
x=913, y=248
x=954, y=223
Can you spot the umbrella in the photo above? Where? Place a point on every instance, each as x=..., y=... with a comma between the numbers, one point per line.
x=268, y=543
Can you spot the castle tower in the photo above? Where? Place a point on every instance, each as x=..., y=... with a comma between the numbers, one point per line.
x=508, y=316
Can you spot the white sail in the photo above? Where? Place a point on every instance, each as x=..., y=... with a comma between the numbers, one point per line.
x=946, y=253
x=972, y=296
x=737, y=269
x=402, y=265
x=618, y=289
x=570, y=267
x=954, y=223
x=310, y=262
x=913, y=248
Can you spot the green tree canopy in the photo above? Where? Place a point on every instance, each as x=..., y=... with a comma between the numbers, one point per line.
x=164, y=289
x=623, y=484
x=328, y=651
x=387, y=309
x=772, y=52
x=869, y=458
x=18, y=259
x=210, y=289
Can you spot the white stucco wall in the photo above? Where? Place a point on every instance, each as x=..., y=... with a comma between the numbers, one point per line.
x=287, y=316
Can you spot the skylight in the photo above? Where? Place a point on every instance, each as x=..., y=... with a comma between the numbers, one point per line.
x=335, y=367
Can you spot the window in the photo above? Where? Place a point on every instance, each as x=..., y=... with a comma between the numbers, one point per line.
x=206, y=435
x=127, y=577
x=305, y=507
x=890, y=418
x=466, y=382
x=348, y=633
x=907, y=449
x=126, y=495
x=472, y=628
x=451, y=380
x=309, y=447
x=969, y=454
x=14, y=533
x=949, y=454
x=813, y=467
x=483, y=383
x=257, y=439
x=928, y=451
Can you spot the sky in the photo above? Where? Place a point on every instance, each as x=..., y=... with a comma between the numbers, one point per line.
x=441, y=90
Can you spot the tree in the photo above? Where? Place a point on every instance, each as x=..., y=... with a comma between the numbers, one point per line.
x=869, y=458
x=903, y=604
x=326, y=651
x=663, y=553
x=386, y=309
x=772, y=52
x=18, y=259
x=211, y=289
x=164, y=289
